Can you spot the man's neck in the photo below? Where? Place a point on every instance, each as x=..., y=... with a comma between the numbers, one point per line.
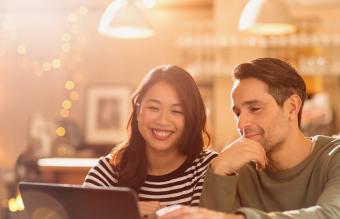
x=293, y=151
x=161, y=163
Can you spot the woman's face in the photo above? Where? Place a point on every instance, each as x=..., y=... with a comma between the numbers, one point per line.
x=160, y=118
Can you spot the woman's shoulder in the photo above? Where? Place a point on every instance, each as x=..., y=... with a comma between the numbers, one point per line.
x=102, y=174
x=104, y=163
x=207, y=154
x=205, y=157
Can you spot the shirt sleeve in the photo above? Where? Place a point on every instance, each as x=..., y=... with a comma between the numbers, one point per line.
x=101, y=175
x=219, y=192
x=327, y=206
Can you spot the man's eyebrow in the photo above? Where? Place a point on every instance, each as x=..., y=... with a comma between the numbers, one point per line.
x=250, y=102
x=246, y=103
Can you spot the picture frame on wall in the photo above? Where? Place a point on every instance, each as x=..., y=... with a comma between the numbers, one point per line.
x=107, y=111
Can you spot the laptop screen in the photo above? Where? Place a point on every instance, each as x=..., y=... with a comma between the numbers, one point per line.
x=64, y=201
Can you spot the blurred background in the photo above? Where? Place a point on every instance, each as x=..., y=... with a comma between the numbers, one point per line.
x=68, y=69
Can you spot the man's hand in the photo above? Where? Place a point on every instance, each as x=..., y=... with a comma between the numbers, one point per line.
x=236, y=155
x=148, y=209
x=186, y=212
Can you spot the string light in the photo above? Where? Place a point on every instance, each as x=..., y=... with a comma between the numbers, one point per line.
x=83, y=10
x=60, y=131
x=69, y=85
x=64, y=113
x=15, y=204
x=55, y=63
x=74, y=95
x=21, y=49
x=66, y=47
x=67, y=104
x=47, y=66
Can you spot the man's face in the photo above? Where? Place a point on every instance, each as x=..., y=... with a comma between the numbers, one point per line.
x=258, y=115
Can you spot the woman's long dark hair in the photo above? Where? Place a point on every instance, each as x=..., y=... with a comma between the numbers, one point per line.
x=129, y=158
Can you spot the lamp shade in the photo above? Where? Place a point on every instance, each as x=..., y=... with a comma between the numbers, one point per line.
x=124, y=19
x=268, y=17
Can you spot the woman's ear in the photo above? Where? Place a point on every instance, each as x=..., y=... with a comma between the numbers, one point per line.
x=294, y=104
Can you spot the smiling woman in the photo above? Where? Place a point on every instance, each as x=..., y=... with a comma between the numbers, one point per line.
x=164, y=158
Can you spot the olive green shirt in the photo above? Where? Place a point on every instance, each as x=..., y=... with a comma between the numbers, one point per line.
x=311, y=190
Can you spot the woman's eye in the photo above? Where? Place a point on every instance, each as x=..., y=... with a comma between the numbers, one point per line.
x=152, y=108
x=177, y=112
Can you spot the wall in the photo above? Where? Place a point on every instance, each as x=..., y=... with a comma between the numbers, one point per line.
x=93, y=60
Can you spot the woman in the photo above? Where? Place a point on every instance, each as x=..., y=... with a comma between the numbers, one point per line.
x=163, y=159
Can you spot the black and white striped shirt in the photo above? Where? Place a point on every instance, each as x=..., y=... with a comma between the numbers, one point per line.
x=182, y=186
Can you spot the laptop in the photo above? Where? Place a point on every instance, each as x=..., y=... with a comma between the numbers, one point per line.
x=65, y=201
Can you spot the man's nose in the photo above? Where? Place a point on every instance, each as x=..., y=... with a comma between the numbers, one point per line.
x=242, y=123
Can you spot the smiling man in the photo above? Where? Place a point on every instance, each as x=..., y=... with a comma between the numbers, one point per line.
x=272, y=171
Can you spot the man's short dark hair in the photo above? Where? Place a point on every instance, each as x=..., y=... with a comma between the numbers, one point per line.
x=281, y=78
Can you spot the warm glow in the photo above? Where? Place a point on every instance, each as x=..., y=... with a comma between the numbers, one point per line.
x=78, y=76
x=69, y=162
x=56, y=63
x=66, y=37
x=149, y=3
x=267, y=17
x=16, y=204
x=272, y=29
x=3, y=52
x=47, y=66
x=64, y=113
x=38, y=73
x=74, y=95
x=72, y=18
x=21, y=49
x=83, y=10
x=8, y=22
x=60, y=131
x=67, y=104
x=128, y=32
x=66, y=47
x=123, y=19
x=69, y=85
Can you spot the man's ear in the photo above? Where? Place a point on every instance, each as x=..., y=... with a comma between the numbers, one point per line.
x=293, y=104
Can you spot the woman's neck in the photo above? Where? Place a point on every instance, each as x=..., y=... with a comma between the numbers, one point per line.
x=164, y=162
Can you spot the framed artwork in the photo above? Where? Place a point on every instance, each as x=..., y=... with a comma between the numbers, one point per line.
x=107, y=111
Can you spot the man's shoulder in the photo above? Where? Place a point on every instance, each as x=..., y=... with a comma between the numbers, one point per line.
x=326, y=141
x=327, y=149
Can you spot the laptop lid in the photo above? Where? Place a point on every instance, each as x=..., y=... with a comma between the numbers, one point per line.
x=64, y=201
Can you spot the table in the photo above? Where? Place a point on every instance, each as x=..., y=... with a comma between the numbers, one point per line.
x=65, y=170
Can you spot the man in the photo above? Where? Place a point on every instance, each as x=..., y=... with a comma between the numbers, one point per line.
x=272, y=171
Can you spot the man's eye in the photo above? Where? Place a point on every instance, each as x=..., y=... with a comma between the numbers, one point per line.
x=254, y=109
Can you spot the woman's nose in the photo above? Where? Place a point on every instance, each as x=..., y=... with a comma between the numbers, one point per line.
x=163, y=117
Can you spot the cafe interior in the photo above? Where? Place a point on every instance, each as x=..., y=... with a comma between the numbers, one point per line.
x=69, y=68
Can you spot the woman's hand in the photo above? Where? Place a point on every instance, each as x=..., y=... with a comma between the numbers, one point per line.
x=148, y=209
